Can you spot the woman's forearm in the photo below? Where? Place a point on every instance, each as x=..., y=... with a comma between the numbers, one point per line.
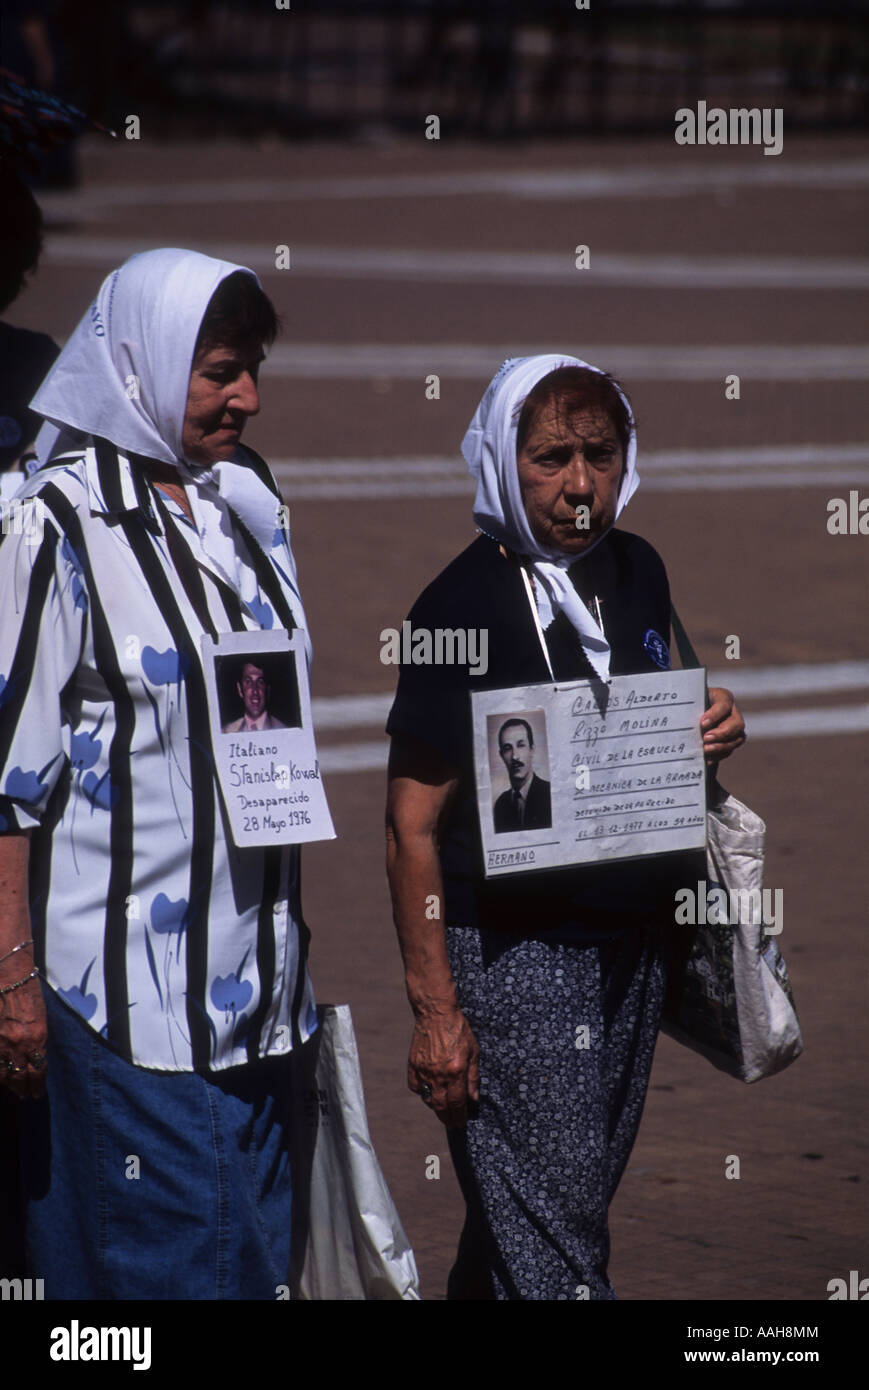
x=414, y=873
x=443, y=1063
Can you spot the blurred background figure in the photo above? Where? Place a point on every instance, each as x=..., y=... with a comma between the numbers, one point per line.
x=497, y=68
x=36, y=128
x=36, y=133
x=25, y=356
x=33, y=50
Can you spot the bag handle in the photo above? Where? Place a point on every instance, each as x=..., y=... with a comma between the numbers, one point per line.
x=691, y=662
x=687, y=655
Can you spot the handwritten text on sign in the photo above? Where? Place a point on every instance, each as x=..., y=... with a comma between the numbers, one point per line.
x=262, y=736
x=589, y=772
x=269, y=794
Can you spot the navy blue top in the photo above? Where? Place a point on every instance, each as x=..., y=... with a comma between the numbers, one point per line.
x=482, y=588
x=25, y=358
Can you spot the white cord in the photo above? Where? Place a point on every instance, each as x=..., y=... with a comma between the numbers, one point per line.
x=533, y=602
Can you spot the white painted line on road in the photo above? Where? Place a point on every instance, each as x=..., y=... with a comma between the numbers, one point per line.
x=661, y=470
x=803, y=723
x=518, y=268
x=436, y=465
x=757, y=682
x=668, y=180
x=364, y=362
x=774, y=478
x=350, y=711
x=385, y=491
x=432, y=488
x=354, y=757
x=652, y=362
x=847, y=719
x=752, y=457
x=808, y=678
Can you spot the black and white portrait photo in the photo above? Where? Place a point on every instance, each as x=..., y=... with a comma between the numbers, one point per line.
x=526, y=803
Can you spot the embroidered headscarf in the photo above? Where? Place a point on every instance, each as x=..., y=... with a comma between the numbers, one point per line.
x=489, y=448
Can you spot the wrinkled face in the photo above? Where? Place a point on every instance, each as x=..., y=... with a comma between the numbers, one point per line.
x=568, y=462
x=517, y=754
x=253, y=690
x=221, y=395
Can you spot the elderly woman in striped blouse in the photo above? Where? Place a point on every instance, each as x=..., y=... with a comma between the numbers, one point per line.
x=152, y=975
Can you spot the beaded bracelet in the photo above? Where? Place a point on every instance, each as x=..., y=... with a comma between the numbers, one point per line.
x=18, y=983
x=17, y=948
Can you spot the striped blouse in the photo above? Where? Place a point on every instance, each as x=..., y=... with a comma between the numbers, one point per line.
x=180, y=950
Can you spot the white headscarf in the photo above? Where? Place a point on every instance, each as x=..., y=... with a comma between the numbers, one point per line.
x=124, y=374
x=490, y=450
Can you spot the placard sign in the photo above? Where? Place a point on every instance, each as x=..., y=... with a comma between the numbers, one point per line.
x=263, y=738
x=590, y=771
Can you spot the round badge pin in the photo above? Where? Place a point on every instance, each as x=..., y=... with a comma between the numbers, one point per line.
x=657, y=649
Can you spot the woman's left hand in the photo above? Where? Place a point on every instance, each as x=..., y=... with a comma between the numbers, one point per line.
x=722, y=726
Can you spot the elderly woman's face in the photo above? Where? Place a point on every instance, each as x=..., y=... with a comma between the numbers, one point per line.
x=221, y=395
x=570, y=461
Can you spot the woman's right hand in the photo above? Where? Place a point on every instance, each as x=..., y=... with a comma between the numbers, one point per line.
x=23, y=1032
x=444, y=1055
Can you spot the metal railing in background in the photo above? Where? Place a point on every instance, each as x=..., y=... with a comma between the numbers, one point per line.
x=494, y=68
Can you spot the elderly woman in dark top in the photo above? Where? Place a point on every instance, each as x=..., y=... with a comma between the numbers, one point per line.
x=539, y=1129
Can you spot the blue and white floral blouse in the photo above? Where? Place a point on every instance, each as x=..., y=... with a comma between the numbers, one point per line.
x=179, y=949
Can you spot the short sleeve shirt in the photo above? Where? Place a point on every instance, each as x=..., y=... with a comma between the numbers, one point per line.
x=484, y=589
x=181, y=950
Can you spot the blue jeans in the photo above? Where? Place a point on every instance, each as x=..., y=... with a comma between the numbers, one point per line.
x=154, y=1185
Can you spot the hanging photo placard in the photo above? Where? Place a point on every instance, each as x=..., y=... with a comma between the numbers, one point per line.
x=262, y=734
x=590, y=771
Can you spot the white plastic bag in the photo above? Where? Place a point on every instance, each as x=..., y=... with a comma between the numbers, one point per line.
x=735, y=1004
x=348, y=1242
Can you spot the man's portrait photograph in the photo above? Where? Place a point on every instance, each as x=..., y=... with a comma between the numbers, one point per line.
x=518, y=754
x=257, y=693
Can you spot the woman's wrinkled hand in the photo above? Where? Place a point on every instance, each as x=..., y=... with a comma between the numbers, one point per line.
x=444, y=1056
x=722, y=727
x=23, y=1038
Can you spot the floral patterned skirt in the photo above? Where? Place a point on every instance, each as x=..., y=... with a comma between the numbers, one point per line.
x=566, y=1034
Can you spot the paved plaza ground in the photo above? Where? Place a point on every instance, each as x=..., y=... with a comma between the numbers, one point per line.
x=410, y=258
